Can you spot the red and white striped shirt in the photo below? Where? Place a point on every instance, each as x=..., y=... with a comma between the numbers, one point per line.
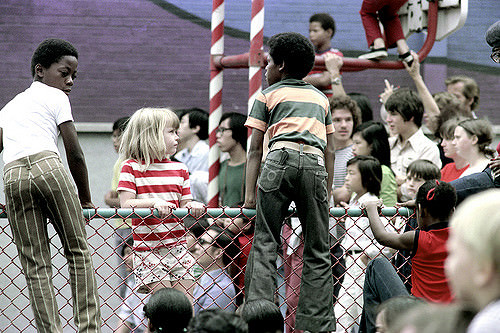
x=163, y=179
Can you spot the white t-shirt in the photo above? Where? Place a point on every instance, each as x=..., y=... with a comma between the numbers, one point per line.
x=29, y=121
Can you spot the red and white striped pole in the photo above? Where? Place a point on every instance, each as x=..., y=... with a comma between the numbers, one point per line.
x=256, y=58
x=215, y=92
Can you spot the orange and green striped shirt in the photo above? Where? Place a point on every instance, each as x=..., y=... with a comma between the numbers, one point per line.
x=292, y=110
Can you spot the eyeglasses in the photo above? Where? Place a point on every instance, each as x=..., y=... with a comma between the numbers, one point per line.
x=221, y=130
x=203, y=242
x=495, y=54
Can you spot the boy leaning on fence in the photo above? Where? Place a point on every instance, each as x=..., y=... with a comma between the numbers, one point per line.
x=299, y=123
x=37, y=187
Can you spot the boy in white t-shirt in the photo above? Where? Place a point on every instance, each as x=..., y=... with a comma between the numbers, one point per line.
x=38, y=188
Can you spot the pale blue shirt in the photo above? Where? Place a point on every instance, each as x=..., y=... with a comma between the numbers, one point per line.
x=215, y=289
x=197, y=158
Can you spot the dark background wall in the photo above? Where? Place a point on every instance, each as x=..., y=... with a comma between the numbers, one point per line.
x=136, y=53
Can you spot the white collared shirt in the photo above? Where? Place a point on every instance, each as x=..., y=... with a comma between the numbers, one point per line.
x=417, y=147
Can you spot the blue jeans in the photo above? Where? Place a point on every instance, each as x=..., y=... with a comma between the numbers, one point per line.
x=475, y=183
x=381, y=283
x=287, y=176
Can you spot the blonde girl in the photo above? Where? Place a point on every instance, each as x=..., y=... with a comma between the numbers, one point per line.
x=149, y=179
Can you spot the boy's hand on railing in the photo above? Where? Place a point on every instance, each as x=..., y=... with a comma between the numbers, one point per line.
x=249, y=204
x=164, y=207
x=196, y=208
x=87, y=205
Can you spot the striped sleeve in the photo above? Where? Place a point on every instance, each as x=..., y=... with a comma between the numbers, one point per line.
x=127, y=181
x=258, y=117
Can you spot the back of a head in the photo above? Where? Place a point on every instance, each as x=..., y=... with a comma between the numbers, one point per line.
x=262, y=316
x=217, y=321
x=424, y=169
x=477, y=222
x=493, y=35
x=434, y=318
x=396, y=307
x=375, y=134
x=408, y=104
x=169, y=311
x=120, y=124
x=326, y=21
x=295, y=51
x=50, y=51
x=438, y=198
x=363, y=104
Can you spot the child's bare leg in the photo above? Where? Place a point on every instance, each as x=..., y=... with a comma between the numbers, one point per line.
x=402, y=46
x=404, y=51
x=186, y=287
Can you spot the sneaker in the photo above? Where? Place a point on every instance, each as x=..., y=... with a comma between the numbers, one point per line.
x=407, y=57
x=375, y=54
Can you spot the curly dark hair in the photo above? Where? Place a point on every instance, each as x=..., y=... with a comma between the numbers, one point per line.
x=50, y=51
x=295, y=51
x=438, y=198
x=347, y=103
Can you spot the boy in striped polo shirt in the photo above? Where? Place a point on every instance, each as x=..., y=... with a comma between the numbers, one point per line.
x=299, y=123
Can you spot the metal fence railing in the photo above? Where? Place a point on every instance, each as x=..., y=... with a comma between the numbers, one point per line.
x=118, y=298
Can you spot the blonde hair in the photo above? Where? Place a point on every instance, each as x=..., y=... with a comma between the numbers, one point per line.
x=477, y=223
x=143, y=138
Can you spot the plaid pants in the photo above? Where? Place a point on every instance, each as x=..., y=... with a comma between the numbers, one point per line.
x=37, y=188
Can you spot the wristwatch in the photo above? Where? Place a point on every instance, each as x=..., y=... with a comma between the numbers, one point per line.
x=336, y=81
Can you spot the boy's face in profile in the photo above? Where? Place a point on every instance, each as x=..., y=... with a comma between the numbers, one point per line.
x=273, y=73
x=60, y=75
x=413, y=183
x=318, y=35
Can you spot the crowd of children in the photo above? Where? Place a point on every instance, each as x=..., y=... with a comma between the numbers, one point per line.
x=320, y=153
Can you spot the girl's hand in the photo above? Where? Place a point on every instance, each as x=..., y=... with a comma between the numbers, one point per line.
x=372, y=204
x=409, y=204
x=196, y=208
x=165, y=208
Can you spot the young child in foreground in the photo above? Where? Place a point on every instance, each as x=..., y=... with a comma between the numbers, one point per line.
x=149, y=179
x=435, y=202
x=299, y=123
x=364, y=176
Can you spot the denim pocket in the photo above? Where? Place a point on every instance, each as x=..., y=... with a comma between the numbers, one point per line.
x=271, y=176
x=320, y=190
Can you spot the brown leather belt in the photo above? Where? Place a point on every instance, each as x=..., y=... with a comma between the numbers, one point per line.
x=300, y=147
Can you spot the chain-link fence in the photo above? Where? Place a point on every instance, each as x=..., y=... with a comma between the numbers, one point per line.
x=218, y=266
